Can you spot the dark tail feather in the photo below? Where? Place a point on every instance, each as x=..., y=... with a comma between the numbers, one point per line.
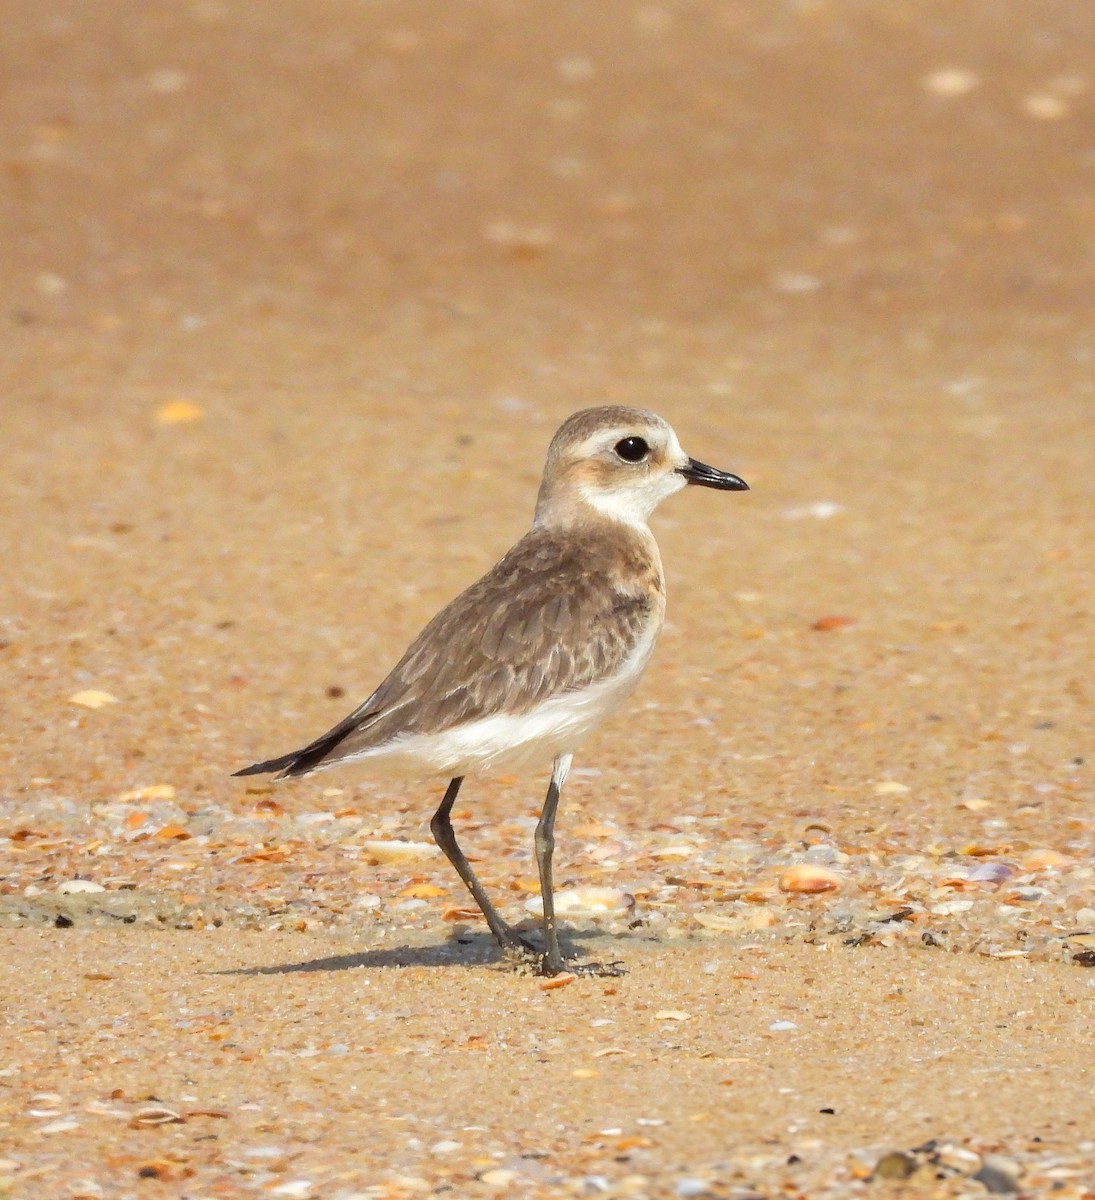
x=300, y=762
x=284, y=763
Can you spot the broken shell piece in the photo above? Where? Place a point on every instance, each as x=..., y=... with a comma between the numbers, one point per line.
x=809, y=878
x=155, y=1115
x=72, y=886
x=675, y=850
x=758, y=918
x=1045, y=860
x=391, y=852
x=891, y=787
x=92, y=698
x=586, y=902
x=557, y=981
x=155, y=791
x=718, y=922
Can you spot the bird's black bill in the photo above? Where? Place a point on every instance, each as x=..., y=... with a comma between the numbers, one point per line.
x=705, y=476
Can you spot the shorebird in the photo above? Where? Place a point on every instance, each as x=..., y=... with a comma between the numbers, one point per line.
x=526, y=662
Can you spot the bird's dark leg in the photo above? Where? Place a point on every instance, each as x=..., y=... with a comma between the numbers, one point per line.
x=513, y=946
x=552, y=962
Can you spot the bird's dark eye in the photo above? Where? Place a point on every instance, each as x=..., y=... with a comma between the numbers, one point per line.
x=632, y=449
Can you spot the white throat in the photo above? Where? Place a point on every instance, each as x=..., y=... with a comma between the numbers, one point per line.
x=633, y=503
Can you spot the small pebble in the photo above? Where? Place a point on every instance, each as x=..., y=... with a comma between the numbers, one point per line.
x=71, y=887
x=996, y=1179
x=895, y=1165
x=499, y=1177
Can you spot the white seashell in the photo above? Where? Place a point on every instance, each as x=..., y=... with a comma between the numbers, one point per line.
x=64, y=1125
x=72, y=886
x=153, y=1115
x=586, y=902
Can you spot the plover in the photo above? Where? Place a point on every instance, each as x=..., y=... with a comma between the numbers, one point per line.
x=522, y=666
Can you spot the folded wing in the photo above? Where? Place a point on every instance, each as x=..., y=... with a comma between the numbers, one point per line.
x=540, y=623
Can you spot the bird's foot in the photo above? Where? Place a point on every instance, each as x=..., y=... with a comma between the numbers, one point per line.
x=523, y=955
x=611, y=970
x=608, y=970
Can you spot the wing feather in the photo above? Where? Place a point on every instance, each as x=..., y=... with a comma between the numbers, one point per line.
x=554, y=615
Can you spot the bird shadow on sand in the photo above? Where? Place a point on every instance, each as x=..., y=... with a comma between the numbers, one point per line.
x=465, y=950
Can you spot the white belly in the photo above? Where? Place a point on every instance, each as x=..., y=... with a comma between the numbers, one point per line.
x=504, y=741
